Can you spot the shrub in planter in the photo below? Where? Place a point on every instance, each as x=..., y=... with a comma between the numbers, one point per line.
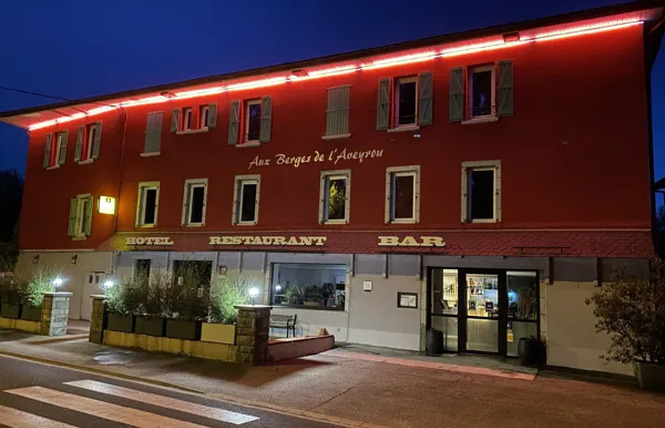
x=630, y=309
x=12, y=294
x=226, y=292
x=31, y=313
x=123, y=300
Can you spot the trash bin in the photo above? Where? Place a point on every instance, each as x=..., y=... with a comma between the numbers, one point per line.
x=434, y=342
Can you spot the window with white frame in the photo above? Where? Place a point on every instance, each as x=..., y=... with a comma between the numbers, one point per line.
x=337, y=113
x=246, y=199
x=194, y=203
x=405, y=101
x=187, y=115
x=335, y=197
x=55, y=150
x=252, y=121
x=147, y=203
x=80, y=216
x=482, y=91
x=204, y=116
x=481, y=191
x=402, y=194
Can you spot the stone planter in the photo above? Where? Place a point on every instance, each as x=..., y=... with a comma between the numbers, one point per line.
x=150, y=326
x=188, y=330
x=31, y=313
x=123, y=323
x=10, y=310
x=650, y=376
x=218, y=333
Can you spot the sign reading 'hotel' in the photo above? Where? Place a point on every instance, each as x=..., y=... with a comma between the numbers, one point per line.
x=301, y=241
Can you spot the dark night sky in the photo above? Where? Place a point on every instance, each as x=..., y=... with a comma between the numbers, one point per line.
x=80, y=48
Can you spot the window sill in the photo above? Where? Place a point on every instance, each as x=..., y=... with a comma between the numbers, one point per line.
x=48, y=168
x=146, y=226
x=336, y=137
x=249, y=144
x=194, y=225
x=86, y=162
x=149, y=154
x=403, y=221
x=245, y=223
x=192, y=131
x=405, y=128
x=482, y=119
x=79, y=238
x=482, y=221
x=335, y=222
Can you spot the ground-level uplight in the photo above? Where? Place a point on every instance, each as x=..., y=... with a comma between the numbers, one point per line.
x=57, y=282
x=253, y=293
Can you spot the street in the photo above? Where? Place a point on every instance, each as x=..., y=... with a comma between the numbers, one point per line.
x=39, y=395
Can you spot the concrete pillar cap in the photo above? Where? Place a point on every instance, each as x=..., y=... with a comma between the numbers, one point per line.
x=98, y=296
x=252, y=307
x=58, y=293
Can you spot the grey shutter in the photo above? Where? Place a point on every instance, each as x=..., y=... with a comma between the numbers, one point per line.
x=79, y=143
x=337, y=114
x=456, y=108
x=383, y=105
x=72, y=217
x=234, y=122
x=97, y=140
x=175, y=120
x=47, y=150
x=505, y=89
x=153, y=132
x=88, y=216
x=266, y=119
x=185, y=213
x=62, y=155
x=212, y=115
x=425, y=98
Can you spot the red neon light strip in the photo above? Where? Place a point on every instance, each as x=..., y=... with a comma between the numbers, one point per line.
x=336, y=71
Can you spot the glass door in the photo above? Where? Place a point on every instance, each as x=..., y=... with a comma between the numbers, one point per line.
x=483, y=310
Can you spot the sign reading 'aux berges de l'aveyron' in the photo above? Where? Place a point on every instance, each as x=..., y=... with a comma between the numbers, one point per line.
x=332, y=157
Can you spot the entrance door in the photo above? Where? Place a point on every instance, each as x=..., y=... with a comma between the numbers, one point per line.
x=484, y=311
x=92, y=284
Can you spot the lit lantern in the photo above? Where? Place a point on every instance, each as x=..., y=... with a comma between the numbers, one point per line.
x=106, y=205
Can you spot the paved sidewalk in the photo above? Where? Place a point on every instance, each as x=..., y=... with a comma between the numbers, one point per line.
x=364, y=386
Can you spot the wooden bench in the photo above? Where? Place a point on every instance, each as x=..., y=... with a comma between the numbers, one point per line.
x=284, y=321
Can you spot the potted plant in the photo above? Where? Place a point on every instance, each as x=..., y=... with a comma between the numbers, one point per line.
x=630, y=309
x=40, y=283
x=190, y=306
x=226, y=291
x=12, y=291
x=121, y=303
x=150, y=318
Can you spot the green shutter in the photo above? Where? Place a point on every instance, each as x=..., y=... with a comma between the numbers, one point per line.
x=97, y=140
x=425, y=98
x=88, y=217
x=266, y=119
x=79, y=143
x=234, y=122
x=62, y=154
x=383, y=105
x=456, y=107
x=505, y=89
x=47, y=150
x=72, y=217
x=175, y=120
x=212, y=115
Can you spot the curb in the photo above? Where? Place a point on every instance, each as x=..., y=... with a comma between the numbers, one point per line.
x=289, y=411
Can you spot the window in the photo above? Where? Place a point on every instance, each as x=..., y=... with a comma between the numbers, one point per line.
x=314, y=286
x=337, y=113
x=55, y=150
x=204, y=112
x=253, y=121
x=153, y=134
x=481, y=91
x=246, y=199
x=250, y=122
x=335, y=196
x=402, y=194
x=193, y=213
x=485, y=95
x=80, y=216
x=147, y=203
x=481, y=192
x=142, y=271
x=187, y=114
x=405, y=103
x=87, y=142
x=193, y=273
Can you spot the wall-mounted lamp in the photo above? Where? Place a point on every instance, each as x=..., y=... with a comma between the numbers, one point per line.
x=35, y=259
x=75, y=258
x=222, y=270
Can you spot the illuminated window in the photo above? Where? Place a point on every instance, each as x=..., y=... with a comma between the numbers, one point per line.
x=193, y=213
x=80, y=216
x=481, y=192
x=482, y=91
x=335, y=196
x=148, y=201
x=246, y=199
x=253, y=121
x=187, y=114
x=402, y=194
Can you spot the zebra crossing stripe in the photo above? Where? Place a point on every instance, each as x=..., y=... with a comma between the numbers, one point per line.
x=14, y=418
x=101, y=409
x=163, y=401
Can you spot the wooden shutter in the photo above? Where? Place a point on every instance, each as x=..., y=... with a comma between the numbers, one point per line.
x=234, y=122
x=235, y=215
x=383, y=105
x=79, y=143
x=266, y=119
x=185, y=206
x=97, y=140
x=62, y=154
x=71, y=231
x=47, y=150
x=425, y=98
x=456, y=107
x=337, y=114
x=505, y=89
x=212, y=116
x=175, y=120
x=139, y=207
x=88, y=216
x=153, y=132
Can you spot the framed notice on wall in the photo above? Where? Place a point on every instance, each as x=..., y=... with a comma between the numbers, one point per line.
x=407, y=300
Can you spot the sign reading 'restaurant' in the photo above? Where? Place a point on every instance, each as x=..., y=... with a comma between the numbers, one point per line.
x=410, y=241
x=148, y=240
x=301, y=241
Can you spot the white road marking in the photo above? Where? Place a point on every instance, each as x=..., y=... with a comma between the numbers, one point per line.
x=101, y=409
x=163, y=401
x=19, y=419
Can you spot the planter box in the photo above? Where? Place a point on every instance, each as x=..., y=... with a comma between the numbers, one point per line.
x=218, y=333
x=31, y=313
x=188, y=330
x=650, y=376
x=150, y=326
x=9, y=310
x=121, y=323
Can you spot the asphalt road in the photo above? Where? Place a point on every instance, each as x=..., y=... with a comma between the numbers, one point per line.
x=40, y=395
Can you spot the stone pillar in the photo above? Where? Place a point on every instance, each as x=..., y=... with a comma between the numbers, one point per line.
x=55, y=312
x=252, y=331
x=97, y=319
